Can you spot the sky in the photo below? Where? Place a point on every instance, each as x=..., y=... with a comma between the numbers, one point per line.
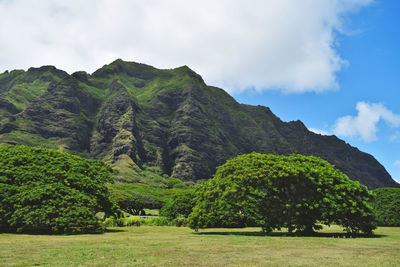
x=333, y=64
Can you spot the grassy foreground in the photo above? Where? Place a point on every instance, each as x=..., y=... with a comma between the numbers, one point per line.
x=173, y=246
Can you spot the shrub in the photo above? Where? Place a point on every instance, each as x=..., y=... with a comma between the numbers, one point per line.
x=181, y=221
x=157, y=221
x=123, y=222
x=137, y=221
x=175, y=183
x=180, y=205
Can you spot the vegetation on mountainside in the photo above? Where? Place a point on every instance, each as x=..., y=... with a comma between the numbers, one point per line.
x=386, y=206
x=45, y=190
x=131, y=115
x=147, y=189
x=272, y=192
x=153, y=195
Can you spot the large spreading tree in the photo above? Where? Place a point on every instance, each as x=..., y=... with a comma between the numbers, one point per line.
x=270, y=191
x=44, y=190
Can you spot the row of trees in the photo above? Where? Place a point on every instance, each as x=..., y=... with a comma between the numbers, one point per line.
x=272, y=192
x=51, y=191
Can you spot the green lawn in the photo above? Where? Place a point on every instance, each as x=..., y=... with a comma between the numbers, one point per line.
x=173, y=246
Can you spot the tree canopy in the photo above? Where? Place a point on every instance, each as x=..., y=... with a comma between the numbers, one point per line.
x=134, y=202
x=180, y=204
x=386, y=206
x=270, y=191
x=44, y=190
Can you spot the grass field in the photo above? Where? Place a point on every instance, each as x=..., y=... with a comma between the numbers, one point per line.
x=173, y=246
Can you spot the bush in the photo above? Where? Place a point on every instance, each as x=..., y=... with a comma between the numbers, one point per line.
x=157, y=221
x=45, y=190
x=133, y=221
x=137, y=221
x=181, y=221
x=175, y=183
x=123, y=222
x=180, y=205
x=386, y=206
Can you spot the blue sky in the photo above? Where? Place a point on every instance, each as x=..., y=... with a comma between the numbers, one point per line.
x=372, y=50
x=333, y=64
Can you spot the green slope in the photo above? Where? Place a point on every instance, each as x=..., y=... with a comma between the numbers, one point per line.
x=132, y=115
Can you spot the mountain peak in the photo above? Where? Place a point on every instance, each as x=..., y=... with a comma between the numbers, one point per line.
x=45, y=68
x=165, y=118
x=118, y=66
x=188, y=71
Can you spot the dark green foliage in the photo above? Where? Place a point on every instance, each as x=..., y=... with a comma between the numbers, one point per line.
x=271, y=191
x=181, y=204
x=172, y=182
x=181, y=221
x=386, y=206
x=45, y=190
x=133, y=202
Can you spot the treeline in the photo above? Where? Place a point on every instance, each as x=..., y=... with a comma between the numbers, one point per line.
x=45, y=190
x=296, y=192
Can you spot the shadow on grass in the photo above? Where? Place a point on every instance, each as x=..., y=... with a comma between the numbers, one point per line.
x=63, y=234
x=283, y=234
x=114, y=231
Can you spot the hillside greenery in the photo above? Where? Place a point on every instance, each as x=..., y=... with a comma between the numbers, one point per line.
x=44, y=190
x=386, y=206
x=136, y=118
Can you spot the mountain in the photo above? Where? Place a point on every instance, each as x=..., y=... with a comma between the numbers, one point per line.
x=133, y=115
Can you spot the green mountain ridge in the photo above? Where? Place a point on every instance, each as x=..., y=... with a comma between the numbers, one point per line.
x=132, y=114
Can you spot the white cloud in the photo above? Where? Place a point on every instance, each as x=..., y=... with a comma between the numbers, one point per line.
x=319, y=131
x=235, y=44
x=364, y=125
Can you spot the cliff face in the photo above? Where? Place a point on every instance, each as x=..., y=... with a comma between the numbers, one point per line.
x=131, y=114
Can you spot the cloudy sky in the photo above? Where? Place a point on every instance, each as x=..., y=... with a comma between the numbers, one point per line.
x=334, y=64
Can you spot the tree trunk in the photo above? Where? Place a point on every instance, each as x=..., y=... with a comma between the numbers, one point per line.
x=309, y=229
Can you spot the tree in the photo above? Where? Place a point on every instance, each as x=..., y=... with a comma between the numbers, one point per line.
x=44, y=190
x=133, y=202
x=181, y=204
x=386, y=206
x=272, y=191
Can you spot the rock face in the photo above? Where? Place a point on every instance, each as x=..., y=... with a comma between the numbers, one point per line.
x=130, y=112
